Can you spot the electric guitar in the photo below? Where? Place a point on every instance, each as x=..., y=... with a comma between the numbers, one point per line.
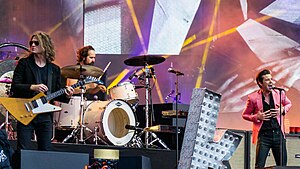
x=25, y=110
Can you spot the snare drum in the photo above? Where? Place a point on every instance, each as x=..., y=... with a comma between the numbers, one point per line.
x=124, y=91
x=110, y=117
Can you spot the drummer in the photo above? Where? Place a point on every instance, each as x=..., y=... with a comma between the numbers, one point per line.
x=86, y=56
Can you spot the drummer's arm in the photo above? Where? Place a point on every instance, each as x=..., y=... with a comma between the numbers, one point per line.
x=71, y=82
x=94, y=88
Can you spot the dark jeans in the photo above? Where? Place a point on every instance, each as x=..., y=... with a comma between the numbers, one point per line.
x=42, y=125
x=267, y=140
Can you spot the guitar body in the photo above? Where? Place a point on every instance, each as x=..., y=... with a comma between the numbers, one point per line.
x=17, y=108
x=25, y=110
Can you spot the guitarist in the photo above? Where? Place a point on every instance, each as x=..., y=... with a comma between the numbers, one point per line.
x=35, y=74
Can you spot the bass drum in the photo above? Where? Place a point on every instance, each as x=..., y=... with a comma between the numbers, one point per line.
x=111, y=117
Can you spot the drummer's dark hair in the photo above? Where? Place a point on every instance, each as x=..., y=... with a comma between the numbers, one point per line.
x=83, y=52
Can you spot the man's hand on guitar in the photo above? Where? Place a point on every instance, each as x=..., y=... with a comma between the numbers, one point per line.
x=69, y=91
x=41, y=88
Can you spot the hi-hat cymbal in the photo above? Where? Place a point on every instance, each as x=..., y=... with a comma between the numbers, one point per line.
x=144, y=60
x=5, y=80
x=74, y=71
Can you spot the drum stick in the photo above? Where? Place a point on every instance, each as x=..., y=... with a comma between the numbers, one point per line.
x=104, y=70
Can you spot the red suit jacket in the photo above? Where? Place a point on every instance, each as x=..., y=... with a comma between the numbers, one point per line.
x=254, y=104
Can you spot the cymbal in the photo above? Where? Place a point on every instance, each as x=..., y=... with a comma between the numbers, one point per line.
x=73, y=71
x=144, y=60
x=5, y=80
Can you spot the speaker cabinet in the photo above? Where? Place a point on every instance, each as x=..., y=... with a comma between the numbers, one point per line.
x=140, y=162
x=285, y=167
x=31, y=159
x=293, y=152
x=239, y=157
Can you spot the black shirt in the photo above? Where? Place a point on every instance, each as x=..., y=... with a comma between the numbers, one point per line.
x=272, y=124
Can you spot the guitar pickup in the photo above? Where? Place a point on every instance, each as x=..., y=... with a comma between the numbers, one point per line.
x=28, y=106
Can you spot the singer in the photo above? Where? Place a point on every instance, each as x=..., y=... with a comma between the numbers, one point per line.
x=262, y=108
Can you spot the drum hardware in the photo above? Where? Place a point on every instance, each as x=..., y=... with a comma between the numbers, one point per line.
x=80, y=72
x=80, y=127
x=137, y=141
x=73, y=72
x=177, y=73
x=146, y=61
x=8, y=128
x=96, y=137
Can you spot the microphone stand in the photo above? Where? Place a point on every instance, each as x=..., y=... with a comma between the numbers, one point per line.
x=280, y=124
x=176, y=110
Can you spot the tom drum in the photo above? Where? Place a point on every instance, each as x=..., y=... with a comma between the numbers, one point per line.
x=124, y=91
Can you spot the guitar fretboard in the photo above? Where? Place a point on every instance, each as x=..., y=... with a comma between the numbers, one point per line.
x=62, y=91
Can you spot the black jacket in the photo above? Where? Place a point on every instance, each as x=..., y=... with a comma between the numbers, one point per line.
x=26, y=74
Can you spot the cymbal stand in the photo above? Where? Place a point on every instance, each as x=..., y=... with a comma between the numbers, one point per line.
x=147, y=86
x=149, y=74
x=80, y=127
x=8, y=128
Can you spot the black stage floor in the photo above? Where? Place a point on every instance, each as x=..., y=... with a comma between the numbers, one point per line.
x=159, y=158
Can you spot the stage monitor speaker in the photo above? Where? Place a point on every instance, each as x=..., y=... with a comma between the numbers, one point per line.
x=31, y=159
x=293, y=152
x=283, y=167
x=140, y=162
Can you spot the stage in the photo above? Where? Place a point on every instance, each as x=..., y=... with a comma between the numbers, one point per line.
x=159, y=158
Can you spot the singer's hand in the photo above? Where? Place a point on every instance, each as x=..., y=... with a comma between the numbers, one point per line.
x=274, y=112
x=265, y=116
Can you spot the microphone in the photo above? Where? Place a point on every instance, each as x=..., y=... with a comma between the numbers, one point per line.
x=133, y=74
x=274, y=87
x=153, y=72
x=130, y=127
x=171, y=70
x=95, y=97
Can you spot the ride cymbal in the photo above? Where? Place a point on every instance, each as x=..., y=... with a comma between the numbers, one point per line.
x=144, y=60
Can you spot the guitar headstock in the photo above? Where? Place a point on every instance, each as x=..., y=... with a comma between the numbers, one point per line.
x=90, y=79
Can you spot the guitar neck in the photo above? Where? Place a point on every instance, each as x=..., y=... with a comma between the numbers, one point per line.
x=63, y=90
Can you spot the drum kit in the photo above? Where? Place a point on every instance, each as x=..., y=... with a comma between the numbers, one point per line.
x=105, y=121
x=7, y=67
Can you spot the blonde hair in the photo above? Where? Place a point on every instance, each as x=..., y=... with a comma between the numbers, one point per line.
x=46, y=43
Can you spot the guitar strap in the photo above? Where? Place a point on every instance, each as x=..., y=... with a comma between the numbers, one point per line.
x=49, y=81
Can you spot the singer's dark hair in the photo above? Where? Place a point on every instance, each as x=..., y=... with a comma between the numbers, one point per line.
x=259, y=76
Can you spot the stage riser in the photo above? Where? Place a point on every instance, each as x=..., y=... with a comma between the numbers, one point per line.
x=49, y=160
x=161, y=159
x=135, y=162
